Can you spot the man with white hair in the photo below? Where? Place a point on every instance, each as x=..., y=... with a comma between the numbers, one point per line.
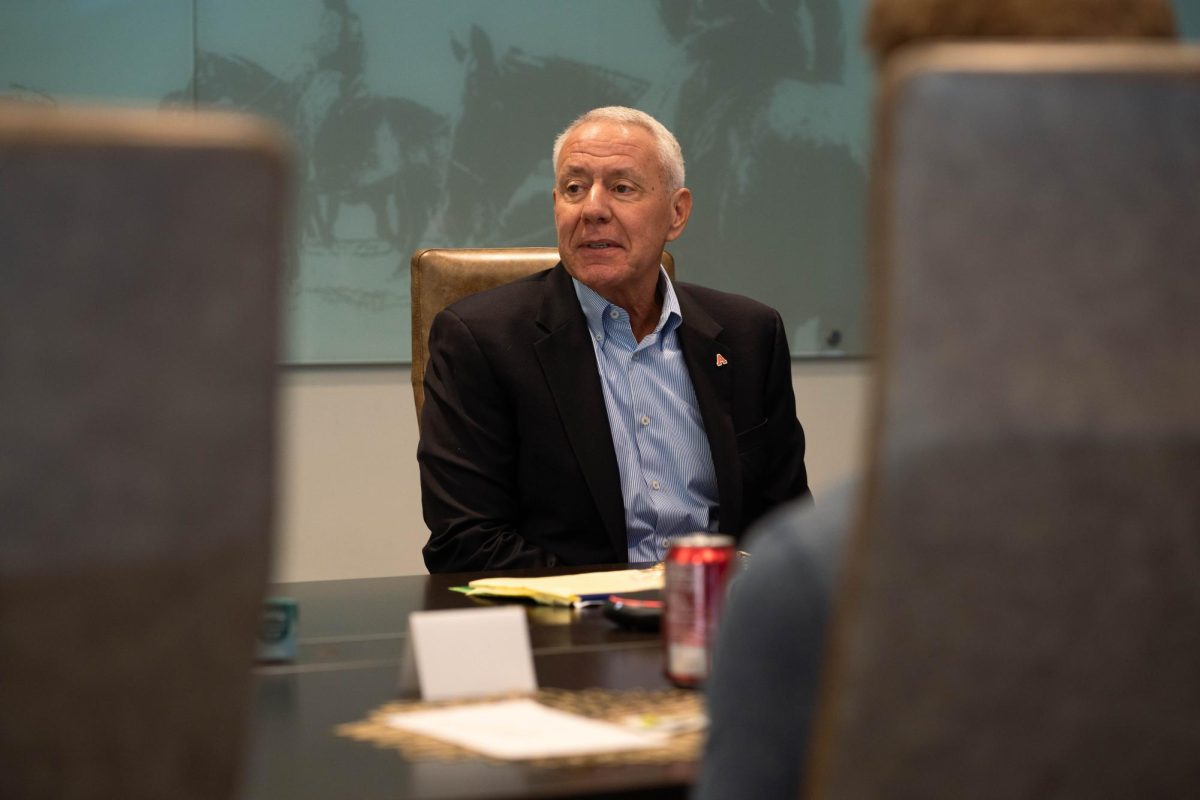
x=590, y=413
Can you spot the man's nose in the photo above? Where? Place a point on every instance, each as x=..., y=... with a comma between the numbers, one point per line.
x=595, y=205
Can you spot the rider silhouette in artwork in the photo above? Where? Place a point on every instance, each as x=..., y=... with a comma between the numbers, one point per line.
x=354, y=147
x=780, y=194
x=385, y=152
x=335, y=76
x=492, y=200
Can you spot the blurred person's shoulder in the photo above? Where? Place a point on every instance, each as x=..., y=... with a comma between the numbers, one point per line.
x=804, y=540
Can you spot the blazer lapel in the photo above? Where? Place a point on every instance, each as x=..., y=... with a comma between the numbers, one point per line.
x=713, y=377
x=567, y=360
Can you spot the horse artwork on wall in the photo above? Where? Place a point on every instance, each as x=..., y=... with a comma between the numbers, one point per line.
x=444, y=141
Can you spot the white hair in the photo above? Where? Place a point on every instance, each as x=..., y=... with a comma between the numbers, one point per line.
x=670, y=155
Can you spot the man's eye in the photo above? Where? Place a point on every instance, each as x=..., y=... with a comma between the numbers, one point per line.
x=572, y=188
x=622, y=188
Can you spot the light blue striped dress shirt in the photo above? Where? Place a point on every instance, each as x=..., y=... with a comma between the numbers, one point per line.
x=667, y=477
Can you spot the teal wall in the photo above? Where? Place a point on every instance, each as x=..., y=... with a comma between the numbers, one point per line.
x=428, y=123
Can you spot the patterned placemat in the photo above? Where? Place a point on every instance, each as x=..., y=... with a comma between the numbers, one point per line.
x=603, y=704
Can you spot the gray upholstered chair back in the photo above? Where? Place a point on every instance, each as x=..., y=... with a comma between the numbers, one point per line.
x=1021, y=608
x=139, y=268
x=441, y=276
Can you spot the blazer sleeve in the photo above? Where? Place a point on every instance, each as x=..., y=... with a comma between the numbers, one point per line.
x=785, y=477
x=467, y=457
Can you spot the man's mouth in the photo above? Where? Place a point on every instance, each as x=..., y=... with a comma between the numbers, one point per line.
x=599, y=245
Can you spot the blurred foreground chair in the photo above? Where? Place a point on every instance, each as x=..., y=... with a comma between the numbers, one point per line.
x=138, y=339
x=1020, y=609
x=442, y=275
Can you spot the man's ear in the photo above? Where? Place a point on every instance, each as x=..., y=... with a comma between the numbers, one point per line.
x=681, y=209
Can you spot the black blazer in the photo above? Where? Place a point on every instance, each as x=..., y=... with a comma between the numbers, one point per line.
x=516, y=457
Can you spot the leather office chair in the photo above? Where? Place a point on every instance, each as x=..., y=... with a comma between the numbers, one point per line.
x=138, y=338
x=1020, y=610
x=442, y=275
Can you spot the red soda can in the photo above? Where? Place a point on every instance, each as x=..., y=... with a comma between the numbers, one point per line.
x=697, y=567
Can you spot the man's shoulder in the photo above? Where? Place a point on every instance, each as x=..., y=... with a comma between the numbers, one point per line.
x=802, y=543
x=725, y=306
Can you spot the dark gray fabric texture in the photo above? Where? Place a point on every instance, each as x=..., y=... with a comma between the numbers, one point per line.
x=762, y=694
x=139, y=296
x=1022, y=610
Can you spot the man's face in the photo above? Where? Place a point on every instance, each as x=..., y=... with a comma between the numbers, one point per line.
x=613, y=212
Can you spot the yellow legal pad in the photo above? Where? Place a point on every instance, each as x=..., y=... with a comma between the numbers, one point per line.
x=568, y=590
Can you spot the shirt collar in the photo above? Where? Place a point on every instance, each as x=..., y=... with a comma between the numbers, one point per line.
x=596, y=308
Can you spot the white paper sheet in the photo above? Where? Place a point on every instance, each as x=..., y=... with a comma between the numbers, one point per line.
x=522, y=729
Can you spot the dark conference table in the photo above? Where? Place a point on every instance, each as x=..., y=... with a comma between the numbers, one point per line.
x=352, y=636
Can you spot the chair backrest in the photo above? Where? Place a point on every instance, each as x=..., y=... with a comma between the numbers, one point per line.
x=139, y=320
x=1020, y=615
x=442, y=275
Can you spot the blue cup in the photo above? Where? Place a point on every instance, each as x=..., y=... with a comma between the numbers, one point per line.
x=277, y=630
